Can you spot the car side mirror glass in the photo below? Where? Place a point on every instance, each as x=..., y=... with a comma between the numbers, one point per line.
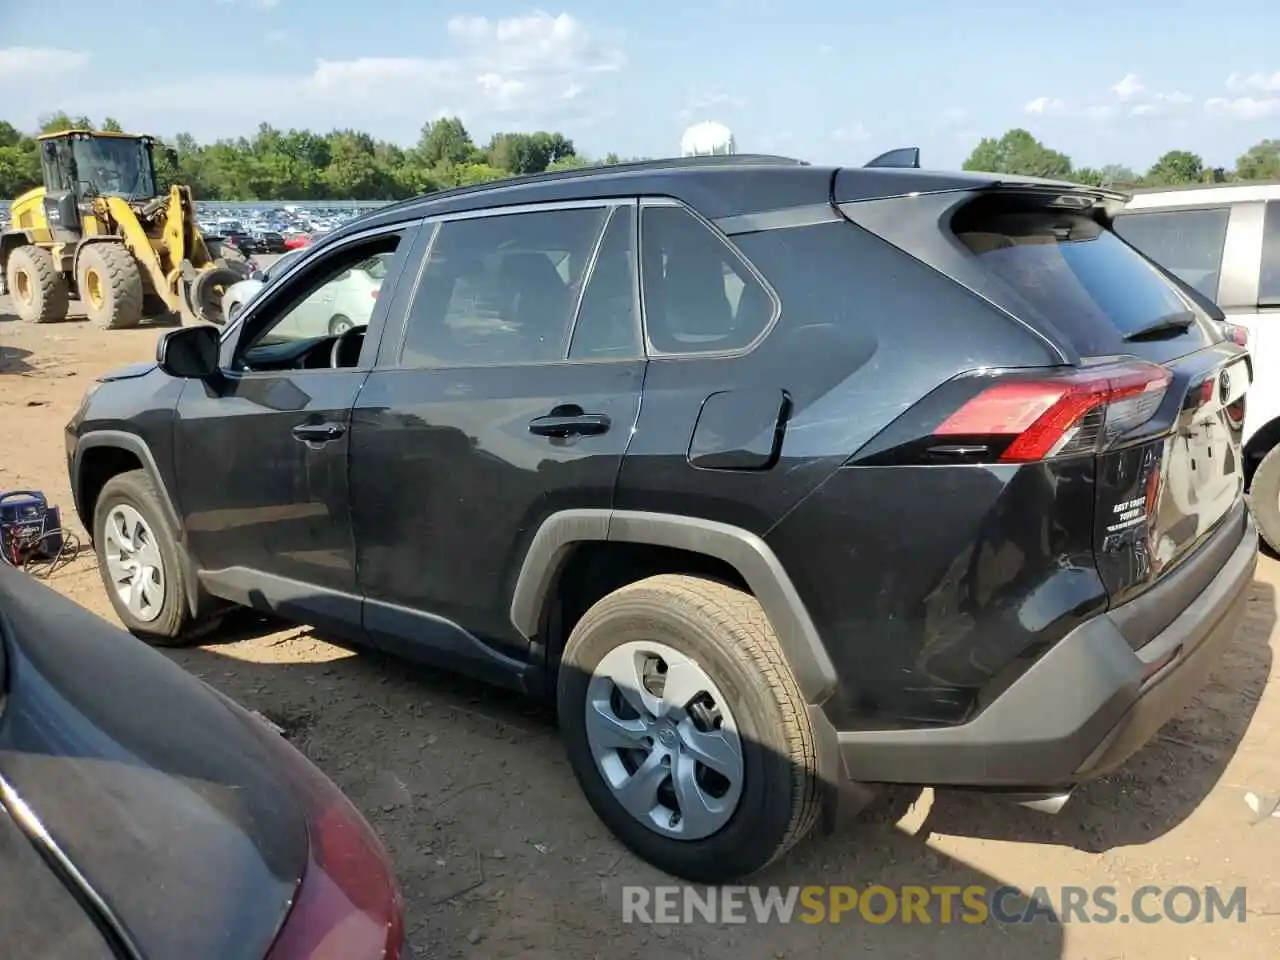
x=190, y=353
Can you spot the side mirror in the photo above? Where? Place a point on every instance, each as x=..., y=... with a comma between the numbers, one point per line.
x=190, y=353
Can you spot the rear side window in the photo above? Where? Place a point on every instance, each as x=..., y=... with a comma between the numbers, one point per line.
x=502, y=289
x=699, y=295
x=1187, y=243
x=1080, y=277
x=1269, y=278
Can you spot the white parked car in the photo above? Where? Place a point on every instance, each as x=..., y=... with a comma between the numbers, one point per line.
x=344, y=302
x=1224, y=240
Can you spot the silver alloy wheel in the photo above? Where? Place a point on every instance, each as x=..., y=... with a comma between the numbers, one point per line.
x=134, y=562
x=664, y=740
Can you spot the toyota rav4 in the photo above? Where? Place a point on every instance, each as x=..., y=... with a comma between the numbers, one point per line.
x=772, y=475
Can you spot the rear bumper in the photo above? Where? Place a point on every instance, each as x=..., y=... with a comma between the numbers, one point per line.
x=1083, y=709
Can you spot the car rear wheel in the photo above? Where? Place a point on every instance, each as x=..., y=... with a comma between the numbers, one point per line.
x=686, y=729
x=139, y=561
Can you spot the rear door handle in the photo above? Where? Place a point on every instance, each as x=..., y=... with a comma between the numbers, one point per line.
x=318, y=432
x=570, y=425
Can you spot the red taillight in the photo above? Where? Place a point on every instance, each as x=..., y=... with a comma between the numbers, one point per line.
x=347, y=905
x=1236, y=334
x=1054, y=416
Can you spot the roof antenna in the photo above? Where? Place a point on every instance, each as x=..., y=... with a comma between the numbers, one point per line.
x=903, y=157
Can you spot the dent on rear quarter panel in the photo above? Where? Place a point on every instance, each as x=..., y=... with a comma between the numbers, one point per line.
x=161, y=796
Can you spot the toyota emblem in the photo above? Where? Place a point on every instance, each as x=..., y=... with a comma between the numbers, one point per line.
x=1224, y=387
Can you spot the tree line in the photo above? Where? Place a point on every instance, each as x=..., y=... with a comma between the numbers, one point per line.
x=302, y=165
x=1018, y=152
x=277, y=164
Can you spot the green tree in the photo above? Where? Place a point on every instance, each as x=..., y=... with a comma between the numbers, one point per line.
x=1260, y=162
x=1175, y=168
x=1018, y=152
x=446, y=141
x=112, y=125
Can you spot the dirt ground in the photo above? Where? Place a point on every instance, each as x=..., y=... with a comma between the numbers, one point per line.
x=500, y=856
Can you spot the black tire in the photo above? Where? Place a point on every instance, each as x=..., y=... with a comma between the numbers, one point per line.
x=174, y=625
x=109, y=282
x=725, y=632
x=339, y=324
x=228, y=255
x=1264, y=498
x=36, y=286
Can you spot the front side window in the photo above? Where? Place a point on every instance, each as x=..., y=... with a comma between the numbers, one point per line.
x=502, y=289
x=1187, y=243
x=334, y=295
x=699, y=296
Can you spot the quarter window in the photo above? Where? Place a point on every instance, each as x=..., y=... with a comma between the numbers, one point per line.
x=502, y=289
x=1187, y=243
x=699, y=295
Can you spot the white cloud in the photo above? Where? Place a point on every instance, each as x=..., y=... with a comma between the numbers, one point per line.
x=1042, y=105
x=1264, y=82
x=28, y=63
x=1244, y=108
x=854, y=133
x=505, y=73
x=1129, y=87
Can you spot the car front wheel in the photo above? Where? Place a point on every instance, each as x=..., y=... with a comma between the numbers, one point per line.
x=686, y=729
x=139, y=561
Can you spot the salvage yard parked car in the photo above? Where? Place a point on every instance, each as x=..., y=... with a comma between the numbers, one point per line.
x=344, y=302
x=1224, y=240
x=771, y=475
x=143, y=814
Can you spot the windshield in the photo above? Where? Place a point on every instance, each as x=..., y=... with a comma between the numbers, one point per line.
x=114, y=165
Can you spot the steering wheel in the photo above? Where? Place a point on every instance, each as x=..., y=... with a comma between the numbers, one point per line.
x=345, y=351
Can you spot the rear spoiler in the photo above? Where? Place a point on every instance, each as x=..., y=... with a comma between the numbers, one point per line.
x=903, y=157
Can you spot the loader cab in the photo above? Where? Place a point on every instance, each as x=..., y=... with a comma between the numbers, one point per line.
x=86, y=164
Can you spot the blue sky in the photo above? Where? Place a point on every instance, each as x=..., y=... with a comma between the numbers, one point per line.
x=829, y=81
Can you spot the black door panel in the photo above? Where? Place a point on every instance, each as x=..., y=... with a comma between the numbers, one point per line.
x=281, y=505
x=449, y=485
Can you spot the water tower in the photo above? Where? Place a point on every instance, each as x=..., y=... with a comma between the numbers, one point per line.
x=707, y=139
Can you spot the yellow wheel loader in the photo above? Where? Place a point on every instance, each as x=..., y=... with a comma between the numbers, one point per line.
x=100, y=230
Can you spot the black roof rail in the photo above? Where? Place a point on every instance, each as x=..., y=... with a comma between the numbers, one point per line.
x=901, y=158
x=665, y=163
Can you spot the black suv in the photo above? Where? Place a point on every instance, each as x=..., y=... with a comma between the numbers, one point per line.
x=772, y=475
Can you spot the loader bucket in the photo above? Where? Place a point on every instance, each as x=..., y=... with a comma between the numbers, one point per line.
x=202, y=300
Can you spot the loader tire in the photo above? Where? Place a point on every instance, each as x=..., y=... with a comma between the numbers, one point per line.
x=110, y=285
x=38, y=288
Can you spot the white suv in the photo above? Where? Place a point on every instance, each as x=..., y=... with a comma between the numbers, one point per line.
x=1224, y=240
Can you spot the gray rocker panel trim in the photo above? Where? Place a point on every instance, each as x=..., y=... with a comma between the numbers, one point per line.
x=742, y=550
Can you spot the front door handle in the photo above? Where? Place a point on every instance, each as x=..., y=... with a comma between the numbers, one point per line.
x=318, y=432
x=570, y=425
